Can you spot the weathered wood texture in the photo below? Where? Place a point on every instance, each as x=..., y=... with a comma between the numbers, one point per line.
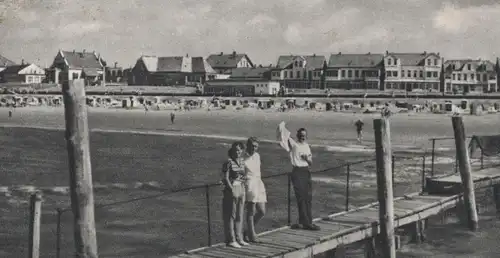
x=383, y=154
x=35, y=218
x=82, y=197
x=465, y=172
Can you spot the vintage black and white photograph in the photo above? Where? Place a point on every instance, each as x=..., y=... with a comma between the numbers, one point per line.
x=249, y=128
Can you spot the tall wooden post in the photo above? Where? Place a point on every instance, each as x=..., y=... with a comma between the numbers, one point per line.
x=383, y=154
x=465, y=172
x=82, y=197
x=35, y=216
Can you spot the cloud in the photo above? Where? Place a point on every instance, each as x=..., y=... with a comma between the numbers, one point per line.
x=261, y=28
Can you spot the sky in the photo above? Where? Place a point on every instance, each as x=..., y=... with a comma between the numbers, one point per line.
x=123, y=30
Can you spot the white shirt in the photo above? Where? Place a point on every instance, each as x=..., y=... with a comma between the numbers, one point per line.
x=295, y=149
x=252, y=166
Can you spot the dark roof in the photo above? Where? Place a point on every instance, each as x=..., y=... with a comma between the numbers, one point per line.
x=312, y=61
x=355, y=60
x=169, y=64
x=412, y=59
x=177, y=64
x=478, y=65
x=91, y=71
x=245, y=72
x=226, y=61
x=14, y=69
x=81, y=60
x=200, y=65
x=5, y=62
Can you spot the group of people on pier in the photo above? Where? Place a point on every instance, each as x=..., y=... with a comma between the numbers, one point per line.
x=245, y=190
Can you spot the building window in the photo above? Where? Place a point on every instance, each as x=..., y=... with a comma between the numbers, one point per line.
x=342, y=74
x=472, y=76
x=402, y=73
x=286, y=74
x=421, y=73
x=429, y=62
x=469, y=67
x=465, y=77
x=296, y=63
x=484, y=78
x=75, y=76
x=298, y=74
x=435, y=62
x=291, y=74
x=429, y=74
x=395, y=73
x=389, y=61
x=453, y=76
x=435, y=74
x=349, y=73
x=356, y=73
x=415, y=74
x=311, y=74
x=459, y=76
x=409, y=74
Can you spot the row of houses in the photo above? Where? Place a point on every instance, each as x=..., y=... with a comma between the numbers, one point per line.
x=235, y=73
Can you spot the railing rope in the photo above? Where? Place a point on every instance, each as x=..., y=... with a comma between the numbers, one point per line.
x=423, y=173
x=433, y=156
x=289, y=199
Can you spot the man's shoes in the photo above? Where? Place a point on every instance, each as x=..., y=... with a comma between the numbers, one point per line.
x=313, y=227
x=296, y=226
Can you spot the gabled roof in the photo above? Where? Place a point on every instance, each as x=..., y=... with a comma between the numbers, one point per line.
x=4, y=62
x=226, y=60
x=14, y=69
x=245, y=72
x=312, y=61
x=355, y=60
x=478, y=65
x=412, y=59
x=80, y=60
x=176, y=64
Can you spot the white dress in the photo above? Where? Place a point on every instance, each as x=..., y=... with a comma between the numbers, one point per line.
x=256, y=191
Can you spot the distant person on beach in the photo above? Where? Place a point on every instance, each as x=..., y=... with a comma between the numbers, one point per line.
x=359, y=129
x=172, y=117
x=256, y=196
x=301, y=159
x=233, y=202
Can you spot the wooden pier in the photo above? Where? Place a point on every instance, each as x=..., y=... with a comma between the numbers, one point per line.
x=352, y=226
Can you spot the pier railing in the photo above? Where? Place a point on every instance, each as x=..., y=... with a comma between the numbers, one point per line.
x=443, y=153
x=345, y=187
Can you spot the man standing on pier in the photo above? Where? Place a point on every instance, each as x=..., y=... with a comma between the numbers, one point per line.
x=301, y=159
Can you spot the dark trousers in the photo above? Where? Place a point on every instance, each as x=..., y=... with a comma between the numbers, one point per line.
x=302, y=186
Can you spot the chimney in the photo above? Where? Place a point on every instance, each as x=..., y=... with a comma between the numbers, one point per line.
x=73, y=51
x=187, y=55
x=387, y=52
x=369, y=53
x=116, y=64
x=22, y=61
x=221, y=53
x=234, y=53
x=425, y=53
x=84, y=51
x=340, y=53
x=314, y=54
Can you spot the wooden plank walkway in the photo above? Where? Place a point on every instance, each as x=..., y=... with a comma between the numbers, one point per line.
x=345, y=227
x=452, y=183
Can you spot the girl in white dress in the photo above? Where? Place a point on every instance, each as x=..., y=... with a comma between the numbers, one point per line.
x=256, y=191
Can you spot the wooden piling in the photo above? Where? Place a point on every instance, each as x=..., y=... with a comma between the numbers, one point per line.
x=496, y=196
x=465, y=172
x=384, y=186
x=82, y=197
x=35, y=218
x=336, y=253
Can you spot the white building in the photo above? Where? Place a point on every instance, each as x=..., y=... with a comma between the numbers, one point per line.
x=247, y=87
x=470, y=76
x=412, y=71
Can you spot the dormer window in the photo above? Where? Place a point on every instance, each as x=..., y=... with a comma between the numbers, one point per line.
x=389, y=61
x=469, y=67
x=429, y=62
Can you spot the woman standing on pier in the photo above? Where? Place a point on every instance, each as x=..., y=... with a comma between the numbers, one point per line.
x=256, y=191
x=233, y=201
